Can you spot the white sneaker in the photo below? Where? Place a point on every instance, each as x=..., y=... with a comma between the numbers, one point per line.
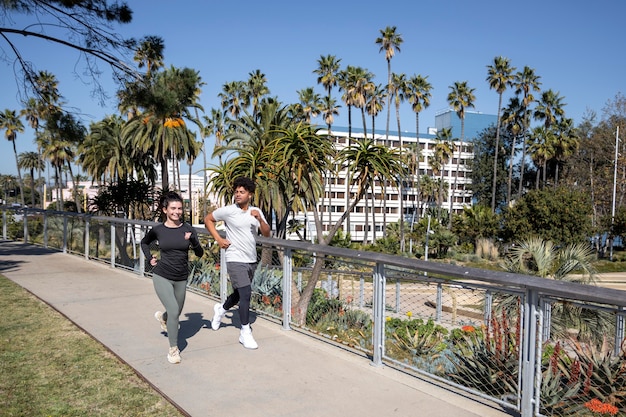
x=218, y=315
x=159, y=316
x=246, y=339
x=173, y=355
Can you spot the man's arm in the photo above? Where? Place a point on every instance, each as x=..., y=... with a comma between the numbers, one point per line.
x=263, y=226
x=209, y=223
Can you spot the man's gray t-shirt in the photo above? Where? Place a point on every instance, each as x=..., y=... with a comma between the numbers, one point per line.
x=241, y=229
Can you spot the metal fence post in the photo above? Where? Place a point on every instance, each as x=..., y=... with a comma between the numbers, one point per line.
x=25, y=220
x=4, y=224
x=439, y=309
x=112, y=245
x=223, y=276
x=619, y=332
x=379, y=314
x=529, y=354
x=64, y=234
x=87, y=222
x=142, y=257
x=287, y=279
x=398, y=289
x=45, y=229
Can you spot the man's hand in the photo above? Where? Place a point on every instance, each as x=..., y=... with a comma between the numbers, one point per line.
x=223, y=243
x=256, y=215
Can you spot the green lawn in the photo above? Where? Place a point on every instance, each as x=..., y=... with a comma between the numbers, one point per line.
x=49, y=367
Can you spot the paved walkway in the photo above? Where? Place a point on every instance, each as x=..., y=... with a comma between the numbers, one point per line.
x=291, y=374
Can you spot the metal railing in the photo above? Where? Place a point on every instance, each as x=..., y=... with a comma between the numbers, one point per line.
x=533, y=345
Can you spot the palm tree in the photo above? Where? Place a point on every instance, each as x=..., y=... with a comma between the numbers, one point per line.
x=513, y=119
x=572, y=263
x=161, y=129
x=442, y=152
x=256, y=88
x=389, y=42
x=233, y=98
x=12, y=125
x=399, y=91
x=7, y=183
x=329, y=109
x=566, y=143
x=107, y=157
x=461, y=97
x=310, y=103
x=526, y=82
x=374, y=104
x=418, y=94
x=499, y=78
x=149, y=54
x=328, y=76
x=63, y=134
x=216, y=126
x=549, y=108
x=31, y=161
x=541, y=150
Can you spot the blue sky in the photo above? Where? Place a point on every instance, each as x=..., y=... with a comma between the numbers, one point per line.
x=575, y=46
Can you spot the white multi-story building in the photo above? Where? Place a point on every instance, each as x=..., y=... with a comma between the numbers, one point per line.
x=338, y=195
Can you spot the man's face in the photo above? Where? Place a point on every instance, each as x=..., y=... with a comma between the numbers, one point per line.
x=242, y=196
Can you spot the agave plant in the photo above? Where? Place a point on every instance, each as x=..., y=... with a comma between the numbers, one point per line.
x=581, y=374
x=488, y=361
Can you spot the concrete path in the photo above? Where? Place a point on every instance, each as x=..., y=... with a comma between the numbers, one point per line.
x=291, y=374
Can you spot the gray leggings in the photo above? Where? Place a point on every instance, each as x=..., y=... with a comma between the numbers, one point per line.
x=172, y=295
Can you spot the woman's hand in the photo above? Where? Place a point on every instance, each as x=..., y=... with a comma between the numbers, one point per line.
x=153, y=260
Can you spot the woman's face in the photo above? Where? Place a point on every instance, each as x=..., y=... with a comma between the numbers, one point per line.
x=174, y=211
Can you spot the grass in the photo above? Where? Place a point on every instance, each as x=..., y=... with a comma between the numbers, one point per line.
x=49, y=367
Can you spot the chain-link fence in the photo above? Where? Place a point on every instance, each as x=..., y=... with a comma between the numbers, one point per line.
x=537, y=346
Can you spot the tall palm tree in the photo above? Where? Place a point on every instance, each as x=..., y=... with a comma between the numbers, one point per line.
x=7, y=183
x=541, y=150
x=63, y=134
x=12, y=125
x=32, y=112
x=375, y=101
x=513, y=119
x=418, y=94
x=256, y=89
x=215, y=125
x=499, y=78
x=549, y=108
x=106, y=157
x=399, y=91
x=566, y=143
x=389, y=42
x=328, y=76
x=374, y=104
x=31, y=161
x=233, y=98
x=329, y=109
x=309, y=103
x=149, y=54
x=461, y=97
x=526, y=82
x=161, y=129
x=442, y=152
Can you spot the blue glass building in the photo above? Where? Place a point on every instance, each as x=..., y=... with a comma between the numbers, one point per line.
x=475, y=123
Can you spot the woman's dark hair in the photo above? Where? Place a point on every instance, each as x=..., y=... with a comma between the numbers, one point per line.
x=170, y=197
x=246, y=183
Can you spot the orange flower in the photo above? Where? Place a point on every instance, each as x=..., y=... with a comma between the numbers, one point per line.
x=598, y=407
x=468, y=329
